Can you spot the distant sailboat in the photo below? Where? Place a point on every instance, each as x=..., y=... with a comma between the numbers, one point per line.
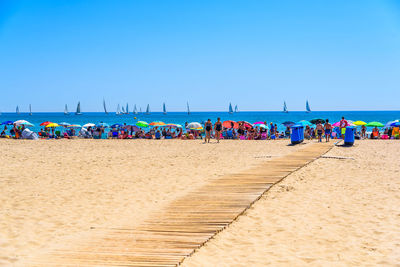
x=127, y=109
x=140, y=109
x=308, y=110
x=66, y=110
x=230, y=109
x=17, y=110
x=188, y=109
x=123, y=110
x=284, y=107
x=164, y=109
x=118, y=112
x=78, y=109
x=30, y=110
x=135, y=110
x=148, y=109
x=104, y=106
x=236, y=109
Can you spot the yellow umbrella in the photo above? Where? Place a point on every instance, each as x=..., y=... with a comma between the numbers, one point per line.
x=53, y=124
x=359, y=123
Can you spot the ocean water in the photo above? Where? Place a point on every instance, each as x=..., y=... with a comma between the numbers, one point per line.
x=182, y=117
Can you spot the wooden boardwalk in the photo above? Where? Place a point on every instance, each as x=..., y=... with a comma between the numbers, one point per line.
x=186, y=224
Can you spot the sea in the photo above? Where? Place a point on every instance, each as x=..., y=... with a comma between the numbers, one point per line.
x=183, y=117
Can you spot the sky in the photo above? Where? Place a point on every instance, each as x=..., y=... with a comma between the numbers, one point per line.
x=340, y=55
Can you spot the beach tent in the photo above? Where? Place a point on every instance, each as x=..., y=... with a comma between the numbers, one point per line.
x=28, y=134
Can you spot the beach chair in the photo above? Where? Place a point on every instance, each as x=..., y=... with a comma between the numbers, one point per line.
x=229, y=134
x=114, y=134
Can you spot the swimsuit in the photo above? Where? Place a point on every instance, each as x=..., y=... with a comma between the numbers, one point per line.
x=327, y=131
x=319, y=132
x=218, y=127
x=208, y=127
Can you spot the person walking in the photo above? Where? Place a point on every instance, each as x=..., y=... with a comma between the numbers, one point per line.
x=218, y=129
x=208, y=126
x=343, y=124
x=328, y=130
x=320, y=130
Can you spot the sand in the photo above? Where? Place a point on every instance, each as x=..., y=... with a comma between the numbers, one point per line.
x=333, y=212
x=52, y=191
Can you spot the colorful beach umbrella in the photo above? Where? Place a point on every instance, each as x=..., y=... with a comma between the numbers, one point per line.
x=74, y=126
x=194, y=126
x=374, y=124
x=89, y=125
x=53, y=124
x=262, y=126
x=116, y=125
x=173, y=125
x=102, y=124
x=230, y=124
x=359, y=123
x=303, y=123
x=23, y=122
x=65, y=124
x=7, y=123
x=258, y=122
x=288, y=123
x=45, y=123
x=157, y=123
x=142, y=124
x=246, y=124
x=390, y=123
x=395, y=124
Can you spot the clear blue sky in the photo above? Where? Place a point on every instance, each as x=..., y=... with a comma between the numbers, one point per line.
x=341, y=55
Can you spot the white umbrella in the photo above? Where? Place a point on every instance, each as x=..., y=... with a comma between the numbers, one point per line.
x=64, y=124
x=23, y=122
x=194, y=125
x=89, y=125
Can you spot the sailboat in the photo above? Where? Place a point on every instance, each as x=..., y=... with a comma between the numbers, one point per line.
x=164, y=109
x=188, y=110
x=127, y=109
x=135, y=110
x=230, y=108
x=123, y=110
x=308, y=110
x=78, y=109
x=148, y=109
x=66, y=110
x=104, y=106
x=17, y=110
x=118, y=112
x=284, y=107
x=236, y=109
x=30, y=110
x=140, y=110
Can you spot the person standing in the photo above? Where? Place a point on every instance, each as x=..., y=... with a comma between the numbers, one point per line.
x=218, y=129
x=343, y=124
x=319, y=129
x=208, y=126
x=328, y=130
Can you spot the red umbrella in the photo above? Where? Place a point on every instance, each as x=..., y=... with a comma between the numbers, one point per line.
x=246, y=124
x=230, y=124
x=45, y=123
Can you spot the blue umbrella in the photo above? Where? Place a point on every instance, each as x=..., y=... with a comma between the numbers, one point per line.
x=304, y=123
x=102, y=124
x=7, y=123
x=395, y=124
x=288, y=123
x=116, y=125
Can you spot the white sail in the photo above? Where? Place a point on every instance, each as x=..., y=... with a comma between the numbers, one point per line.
x=230, y=108
x=236, y=109
x=285, y=107
x=118, y=112
x=104, y=106
x=188, y=110
x=66, y=110
x=127, y=109
x=17, y=110
x=78, y=109
x=135, y=110
x=308, y=110
x=148, y=109
x=123, y=110
x=140, y=109
x=164, y=109
x=30, y=110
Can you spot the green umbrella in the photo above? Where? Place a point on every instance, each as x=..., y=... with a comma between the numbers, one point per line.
x=142, y=124
x=374, y=124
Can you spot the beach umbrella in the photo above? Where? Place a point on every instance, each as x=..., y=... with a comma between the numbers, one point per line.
x=374, y=124
x=142, y=124
x=7, y=123
x=259, y=122
x=102, y=124
x=157, y=123
x=395, y=124
x=65, y=124
x=74, y=126
x=173, y=125
x=304, y=123
x=262, y=126
x=52, y=125
x=230, y=124
x=116, y=125
x=390, y=123
x=45, y=123
x=359, y=123
x=133, y=128
x=314, y=121
x=194, y=125
x=23, y=122
x=246, y=124
x=288, y=123
x=89, y=125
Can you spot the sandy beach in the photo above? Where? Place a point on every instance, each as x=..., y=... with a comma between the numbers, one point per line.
x=54, y=190
x=333, y=212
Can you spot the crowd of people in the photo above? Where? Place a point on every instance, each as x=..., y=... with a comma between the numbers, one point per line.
x=217, y=130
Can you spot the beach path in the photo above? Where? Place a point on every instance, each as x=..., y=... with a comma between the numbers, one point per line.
x=175, y=232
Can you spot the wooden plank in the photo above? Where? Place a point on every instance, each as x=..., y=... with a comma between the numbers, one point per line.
x=175, y=232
